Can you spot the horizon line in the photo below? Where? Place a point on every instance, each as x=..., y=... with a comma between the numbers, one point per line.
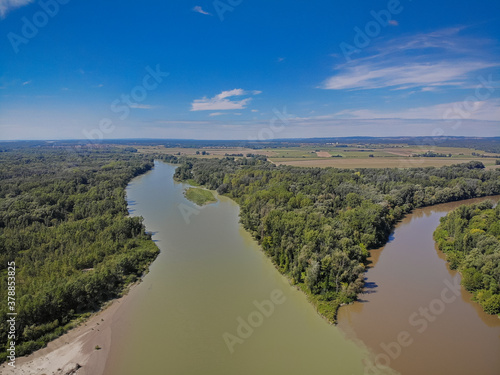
x=100, y=141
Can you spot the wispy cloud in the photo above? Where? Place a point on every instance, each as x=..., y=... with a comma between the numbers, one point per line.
x=372, y=76
x=487, y=110
x=438, y=59
x=217, y=114
x=8, y=5
x=223, y=101
x=333, y=125
x=26, y=83
x=199, y=9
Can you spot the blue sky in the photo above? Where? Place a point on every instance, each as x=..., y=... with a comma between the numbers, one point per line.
x=236, y=69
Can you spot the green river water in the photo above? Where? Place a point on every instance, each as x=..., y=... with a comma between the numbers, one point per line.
x=210, y=276
x=213, y=303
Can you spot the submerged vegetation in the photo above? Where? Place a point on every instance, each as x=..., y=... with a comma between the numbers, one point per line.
x=470, y=237
x=200, y=196
x=317, y=224
x=64, y=222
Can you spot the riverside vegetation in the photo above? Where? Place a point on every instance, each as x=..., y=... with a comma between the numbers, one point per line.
x=470, y=237
x=200, y=196
x=317, y=224
x=63, y=220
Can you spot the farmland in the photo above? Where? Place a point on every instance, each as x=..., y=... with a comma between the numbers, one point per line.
x=344, y=156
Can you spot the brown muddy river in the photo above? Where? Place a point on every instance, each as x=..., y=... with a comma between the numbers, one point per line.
x=413, y=317
x=213, y=303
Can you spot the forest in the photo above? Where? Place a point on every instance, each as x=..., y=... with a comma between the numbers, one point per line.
x=64, y=222
x=317, y=224
x=470, y=237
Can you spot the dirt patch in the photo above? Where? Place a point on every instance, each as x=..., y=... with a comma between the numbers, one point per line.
x=323, y=154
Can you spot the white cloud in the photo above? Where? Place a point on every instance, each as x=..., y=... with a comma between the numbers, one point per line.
x=26, y=83
x=438, y=59
x=369, y=76
x=487, y=110
x=229, y=93
x=217, y=114
x=199, y=9
x=8, y=5
x=222, y=101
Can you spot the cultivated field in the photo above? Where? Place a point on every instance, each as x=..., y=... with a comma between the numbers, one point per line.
x=212, y=152
x=345, y=156
x=377, y=156
x=401, y=162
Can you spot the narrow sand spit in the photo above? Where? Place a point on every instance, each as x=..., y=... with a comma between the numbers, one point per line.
x=75, y=352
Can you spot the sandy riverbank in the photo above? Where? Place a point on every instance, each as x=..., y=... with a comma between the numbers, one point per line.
x=74, y=353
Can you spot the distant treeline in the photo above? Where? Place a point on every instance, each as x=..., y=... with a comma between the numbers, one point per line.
x=488, y=144
x=470, y=237
x=432, y=154
x=316, y=224
x=64, y=222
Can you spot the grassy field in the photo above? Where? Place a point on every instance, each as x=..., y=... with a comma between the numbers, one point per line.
x=376, y=156
x=347, y=156
x=381, y=162
x=200, y=196
x=212, y=152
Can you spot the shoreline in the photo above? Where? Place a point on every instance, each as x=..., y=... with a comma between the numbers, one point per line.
x=83, y=349
x=75, y=351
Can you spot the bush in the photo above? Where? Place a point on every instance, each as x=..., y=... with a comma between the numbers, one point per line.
x=492, y=304
x=472, y=280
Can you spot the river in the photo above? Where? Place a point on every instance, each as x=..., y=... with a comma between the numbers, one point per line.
x=213, y=303
x=209, y=277
x=411, y=292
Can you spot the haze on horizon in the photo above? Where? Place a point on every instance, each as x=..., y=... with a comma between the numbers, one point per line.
x=246, y=70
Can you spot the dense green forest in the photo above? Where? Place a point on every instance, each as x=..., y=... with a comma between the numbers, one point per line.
x=64, y=222
x=470, y=237
x=316, y=224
